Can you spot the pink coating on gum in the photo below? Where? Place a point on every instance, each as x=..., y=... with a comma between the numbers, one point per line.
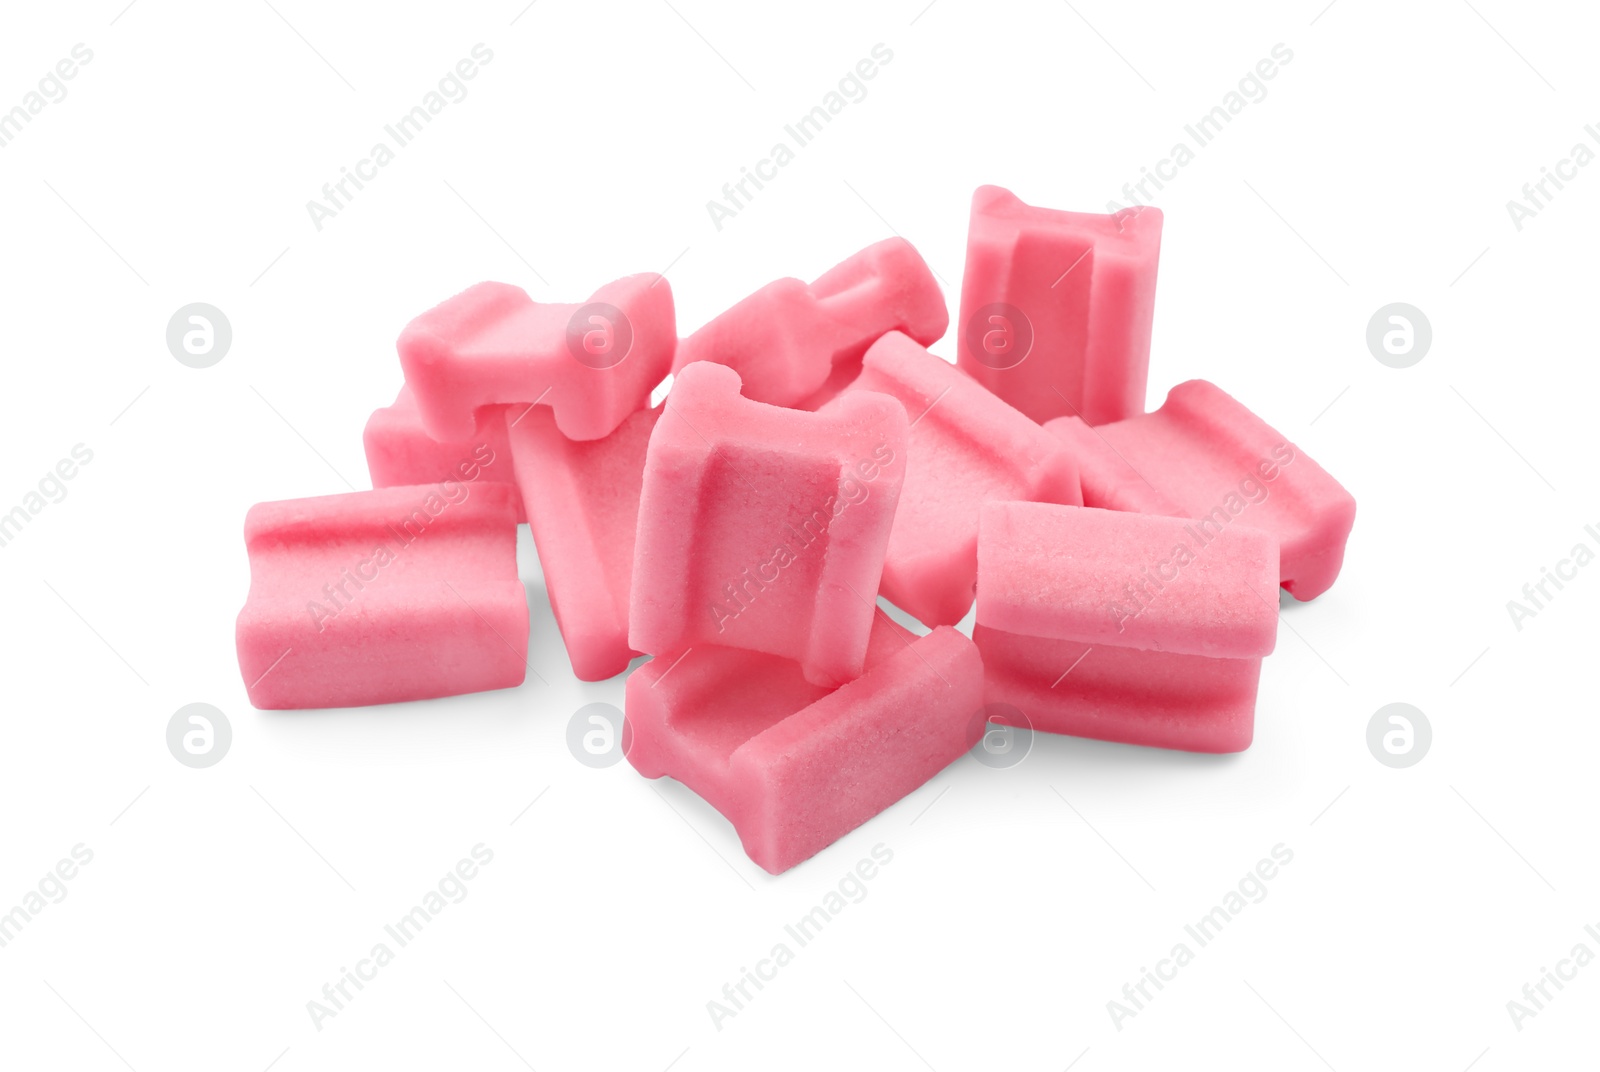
x=1081, y=285
x=793, y=765
x=765, y=528
x=399, y=451
x=794, y=344
x=967, y=447
x=402, y=593
x=592, y=363
x=586, y=514
x=1213, y=458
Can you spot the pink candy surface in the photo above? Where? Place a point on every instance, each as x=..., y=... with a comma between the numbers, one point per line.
x=1211, y=458
x=1056, y=307
x=399, y=451
x=793, y=765
x=1165, y=620
x=788, y=339
x=764, y=528
x=593, y=363
x=966, y=447
x=586, y=497
x=404, y=593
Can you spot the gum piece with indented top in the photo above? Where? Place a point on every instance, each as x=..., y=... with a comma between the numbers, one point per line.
x=400, y=452
x=1056, y=306
x=586, y=497
x=787, y=339
x=1217, y=462
x=403, y=593
x=1124, y=627
x=1107, y=480
x=796, y=766
x=966, y=448
x=764, y=528
x=592, y=363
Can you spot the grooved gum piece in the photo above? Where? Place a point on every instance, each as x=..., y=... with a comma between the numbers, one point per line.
x=403, y=593
x=1220, y=463
x=400, y=452
x=795, y=766
x=967, y=447
x=1124, y=627
x=592, y=363
x=586, y=514
x=1056, y=307
x=764, y=528
x=1108, y=481
x=787, y=338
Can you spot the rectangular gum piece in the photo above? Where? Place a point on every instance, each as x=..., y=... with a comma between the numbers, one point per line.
x=765, y=528
x=796, y=766
x=400, y=452
x=403, y=593
x=1124, y=627
x=586, y=496
x=967, y=447
x=1056, y=307
x=790, y=341
x=593, y=363
x=1217, y=462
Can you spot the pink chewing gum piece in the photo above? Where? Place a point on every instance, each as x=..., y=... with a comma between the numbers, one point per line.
x=1056, y=307
x=1108, y=481
x=764, y=528
x=795, y=766
x=592, y=363
x=586, y=513
x=1124, y=627
x=786, y=339
x=403, y=593
x=967, y=447
x=1218, y=463
x=400, y=452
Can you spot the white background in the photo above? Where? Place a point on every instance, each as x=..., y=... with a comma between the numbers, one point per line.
x=1019, y=901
